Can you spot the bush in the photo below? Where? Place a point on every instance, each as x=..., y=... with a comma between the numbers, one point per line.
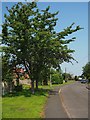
x=18, y=88
x=22, y=78
x=57, y=78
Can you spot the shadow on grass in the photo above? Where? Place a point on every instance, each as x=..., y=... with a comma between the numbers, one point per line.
x=27, y=93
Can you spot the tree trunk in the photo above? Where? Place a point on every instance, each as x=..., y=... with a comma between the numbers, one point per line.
x=17, y=80
x=36, y=83
x=45, y=82
x=13, y=86
x=9, y=87
x=32, y=86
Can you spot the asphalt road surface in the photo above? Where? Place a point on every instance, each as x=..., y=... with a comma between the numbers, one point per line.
x=69, y=101
x=75, y=100
x=54, y=107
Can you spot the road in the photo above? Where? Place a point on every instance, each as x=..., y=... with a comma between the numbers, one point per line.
x=75, y=100
x=54, y=107
x=69, y=101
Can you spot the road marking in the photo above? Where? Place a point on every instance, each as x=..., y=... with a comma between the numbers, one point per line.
x=65, y=108
x=59, y=90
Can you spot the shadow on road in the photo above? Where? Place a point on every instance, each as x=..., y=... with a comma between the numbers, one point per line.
x=53, y=92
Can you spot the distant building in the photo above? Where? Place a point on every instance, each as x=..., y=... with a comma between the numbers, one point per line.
x=21, y=72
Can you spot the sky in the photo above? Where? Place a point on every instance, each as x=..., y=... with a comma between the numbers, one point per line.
x=69, y=12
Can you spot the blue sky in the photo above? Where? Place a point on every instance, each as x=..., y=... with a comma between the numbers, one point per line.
x=69, y=12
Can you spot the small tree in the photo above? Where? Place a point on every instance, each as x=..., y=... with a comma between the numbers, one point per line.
x=86, y=71
x=56, y=77
x=76, y=78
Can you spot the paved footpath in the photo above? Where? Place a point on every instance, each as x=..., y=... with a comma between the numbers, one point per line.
x=54, y=107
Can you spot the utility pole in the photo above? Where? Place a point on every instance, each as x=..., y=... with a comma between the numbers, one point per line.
x=50, y=78
x=65, y=69
x=65, y=75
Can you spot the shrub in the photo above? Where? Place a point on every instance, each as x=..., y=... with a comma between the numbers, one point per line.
x=18, y=88
x=57, y=78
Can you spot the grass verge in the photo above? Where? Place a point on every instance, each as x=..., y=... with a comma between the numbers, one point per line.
x=24, y=104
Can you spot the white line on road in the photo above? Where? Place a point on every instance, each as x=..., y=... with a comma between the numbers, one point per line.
x=65, y=108
x=59, y=90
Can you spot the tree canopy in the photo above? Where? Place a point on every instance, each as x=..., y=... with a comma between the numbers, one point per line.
x=31, y=40
x=86, y=71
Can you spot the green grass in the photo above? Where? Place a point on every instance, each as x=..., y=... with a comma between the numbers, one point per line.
x=0, y=107
x=24, y=104
x=55, y=85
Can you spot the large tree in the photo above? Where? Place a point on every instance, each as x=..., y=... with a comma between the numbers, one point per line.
x=31, y=39
x=86, y=71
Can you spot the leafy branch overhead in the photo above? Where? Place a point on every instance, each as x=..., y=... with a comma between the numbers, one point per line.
x=31, y=40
